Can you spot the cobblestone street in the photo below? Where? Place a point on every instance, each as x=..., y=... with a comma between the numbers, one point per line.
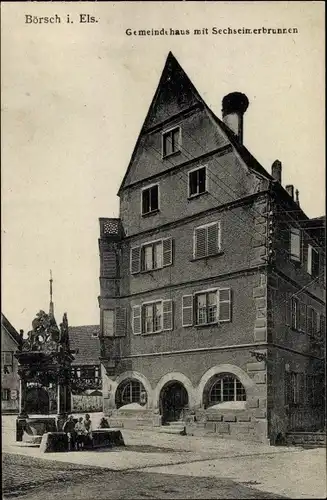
x=157, y=465
x=36, y=479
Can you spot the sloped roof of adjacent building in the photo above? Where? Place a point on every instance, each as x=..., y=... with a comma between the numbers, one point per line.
x=84, y=340
x=10, y=329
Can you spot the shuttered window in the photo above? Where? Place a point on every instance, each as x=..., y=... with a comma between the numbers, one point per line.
x=135, y=259
x=153, y=255
x=152, y=317
x=206, y=240
x=136, y=320
x=187, y=310
x=120, y=321
x=211, y=306
x=167, y=313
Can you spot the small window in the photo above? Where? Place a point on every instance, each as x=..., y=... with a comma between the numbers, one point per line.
x=226, y=388
x=206, y=240
x=5, y=394
x=313, y=261
x=197, y=182
x=295, y=244
x=150, y=200
x=7, y=362
x=171, y=141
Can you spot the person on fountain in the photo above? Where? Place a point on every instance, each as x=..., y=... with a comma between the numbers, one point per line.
x=88, y=428
x=69, y=429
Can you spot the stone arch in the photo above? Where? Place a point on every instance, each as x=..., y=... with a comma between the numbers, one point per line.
x=243, y=377
x=178, y=377
x=137, y=376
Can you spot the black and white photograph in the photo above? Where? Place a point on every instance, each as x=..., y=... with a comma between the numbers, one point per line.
x=163, y=310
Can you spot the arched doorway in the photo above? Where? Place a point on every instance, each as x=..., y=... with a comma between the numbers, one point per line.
x=173, y=400
x=37, y=401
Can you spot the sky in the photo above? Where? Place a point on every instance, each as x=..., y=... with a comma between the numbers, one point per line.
x=75, y=95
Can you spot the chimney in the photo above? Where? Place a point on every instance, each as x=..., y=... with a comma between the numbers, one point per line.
x=234, y=106
x=276, y=171
x=297, y=199
x=290, y=189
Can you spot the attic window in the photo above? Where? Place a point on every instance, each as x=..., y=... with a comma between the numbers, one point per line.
x=197, y=182
x=150, y=199
x=171, y=141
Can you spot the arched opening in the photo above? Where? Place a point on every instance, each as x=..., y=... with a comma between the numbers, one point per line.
x=37, y=401
x=224, y=390
x=173, y=402
x=130, y=391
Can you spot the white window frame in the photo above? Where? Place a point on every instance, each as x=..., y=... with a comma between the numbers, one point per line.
x=151, y=303
x=164, y=133
x=141, y=255
x=218, y=301
x=206, y=292
x=205, y=226
x=205, y=184
x=146, y=188
x=142, y=306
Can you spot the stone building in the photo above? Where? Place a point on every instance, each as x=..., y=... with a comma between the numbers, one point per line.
x=212, y=281
x=10, y=341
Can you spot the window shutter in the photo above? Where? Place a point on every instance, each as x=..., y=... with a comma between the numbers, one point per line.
x=200, y=237
x=187, y=310
x=213, y=239
x=322, y=331
x=135, y=260
x=309, y=263
x=120, y=321
x=167, y=251
x=224, y=301
x=288, y=309
x=167, y=312
x=108, y=322
x=310, y=320
x=136, y=320
x=302, y=316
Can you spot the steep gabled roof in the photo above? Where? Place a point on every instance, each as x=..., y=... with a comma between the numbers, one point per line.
x=10, y=329
x=84, y=340
x=174, y=81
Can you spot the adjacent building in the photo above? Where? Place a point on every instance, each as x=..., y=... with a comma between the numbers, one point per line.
x=86, y=370
x=10, y=341
x=212, y=304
